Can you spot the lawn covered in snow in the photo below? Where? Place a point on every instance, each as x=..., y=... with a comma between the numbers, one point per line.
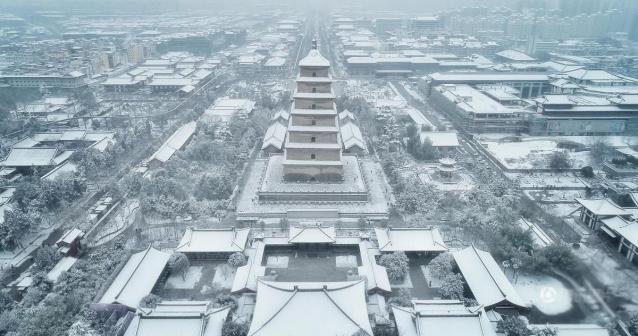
x=530, y=154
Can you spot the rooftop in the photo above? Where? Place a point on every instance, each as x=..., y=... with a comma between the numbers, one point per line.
x=442, y=318
x=30, y=157
x=515, y=55
x=314, y=59
x=311, y=234
x=486, y=280
x=184, y=318
x=602, y=207
x=441, y=139
x=314, y=309
x=213, y=240
x=137, y=278
x=410, y=240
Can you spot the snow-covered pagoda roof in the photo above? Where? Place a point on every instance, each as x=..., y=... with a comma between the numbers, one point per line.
x=442, y=318
x=314, y=59
x=410, y=240
x=486, y=280
x=310, y=309
x=602, y=207
x=311, y=234
x=225, y=240
x=137, y=278
x=184, y=318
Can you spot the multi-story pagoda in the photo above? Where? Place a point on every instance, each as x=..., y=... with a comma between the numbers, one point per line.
x=313, y=151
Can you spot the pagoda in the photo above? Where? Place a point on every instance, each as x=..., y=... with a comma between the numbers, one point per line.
x=313, y=151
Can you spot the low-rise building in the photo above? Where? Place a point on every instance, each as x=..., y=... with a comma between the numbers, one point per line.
x=585, y=115
x=477, y=111
x=442, y=318
x=487, y=282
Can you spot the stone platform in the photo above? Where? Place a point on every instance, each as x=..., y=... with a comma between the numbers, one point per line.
x=364, y=193
x=273, y=187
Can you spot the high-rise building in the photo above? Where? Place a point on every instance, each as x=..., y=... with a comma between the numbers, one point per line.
x=313, y=149
x=135, y=53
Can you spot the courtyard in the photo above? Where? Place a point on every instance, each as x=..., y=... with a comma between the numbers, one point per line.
x=329, y=264
x=201, y=281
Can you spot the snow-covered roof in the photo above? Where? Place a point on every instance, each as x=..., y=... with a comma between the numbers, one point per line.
x=225, y=240
x=28, y=157
x=73, y=135
x=176, y=141
x=70, y=236
x=593, y=75
x=602, y=207
x=310, y=309
x=346, y=115
x=184, y=318
x=573, y=329
x=275, y=136
x=351, y=136
x=62, y=266
x=275, y=62
x=623, y=228
x=515, y=55
x=410, y=240
x=281, y=115
x=311, y=234
x=137, y=278
x=488, y=77
x=442, y=318
x=246, y=276
x=628, y=151
x=65, y=168
x=376, y=275
x=486, y=280
x=441, y=139
x=314, y=59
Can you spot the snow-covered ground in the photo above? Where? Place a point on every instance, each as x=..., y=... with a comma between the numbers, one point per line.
x=546, y=293
x=542, y=180
x=615, y=141
x=224, y=276
x=529, y=154
x=188, y=281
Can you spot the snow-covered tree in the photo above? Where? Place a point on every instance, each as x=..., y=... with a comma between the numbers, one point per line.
x=179, y=263
x=442, y=264
x=236, y=259
x=452, y=286
x=396, y=264
x=82, y=328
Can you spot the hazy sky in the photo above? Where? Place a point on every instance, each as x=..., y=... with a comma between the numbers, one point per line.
x=151, y=5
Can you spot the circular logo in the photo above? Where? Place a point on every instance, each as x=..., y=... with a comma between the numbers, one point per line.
x=547, y=295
